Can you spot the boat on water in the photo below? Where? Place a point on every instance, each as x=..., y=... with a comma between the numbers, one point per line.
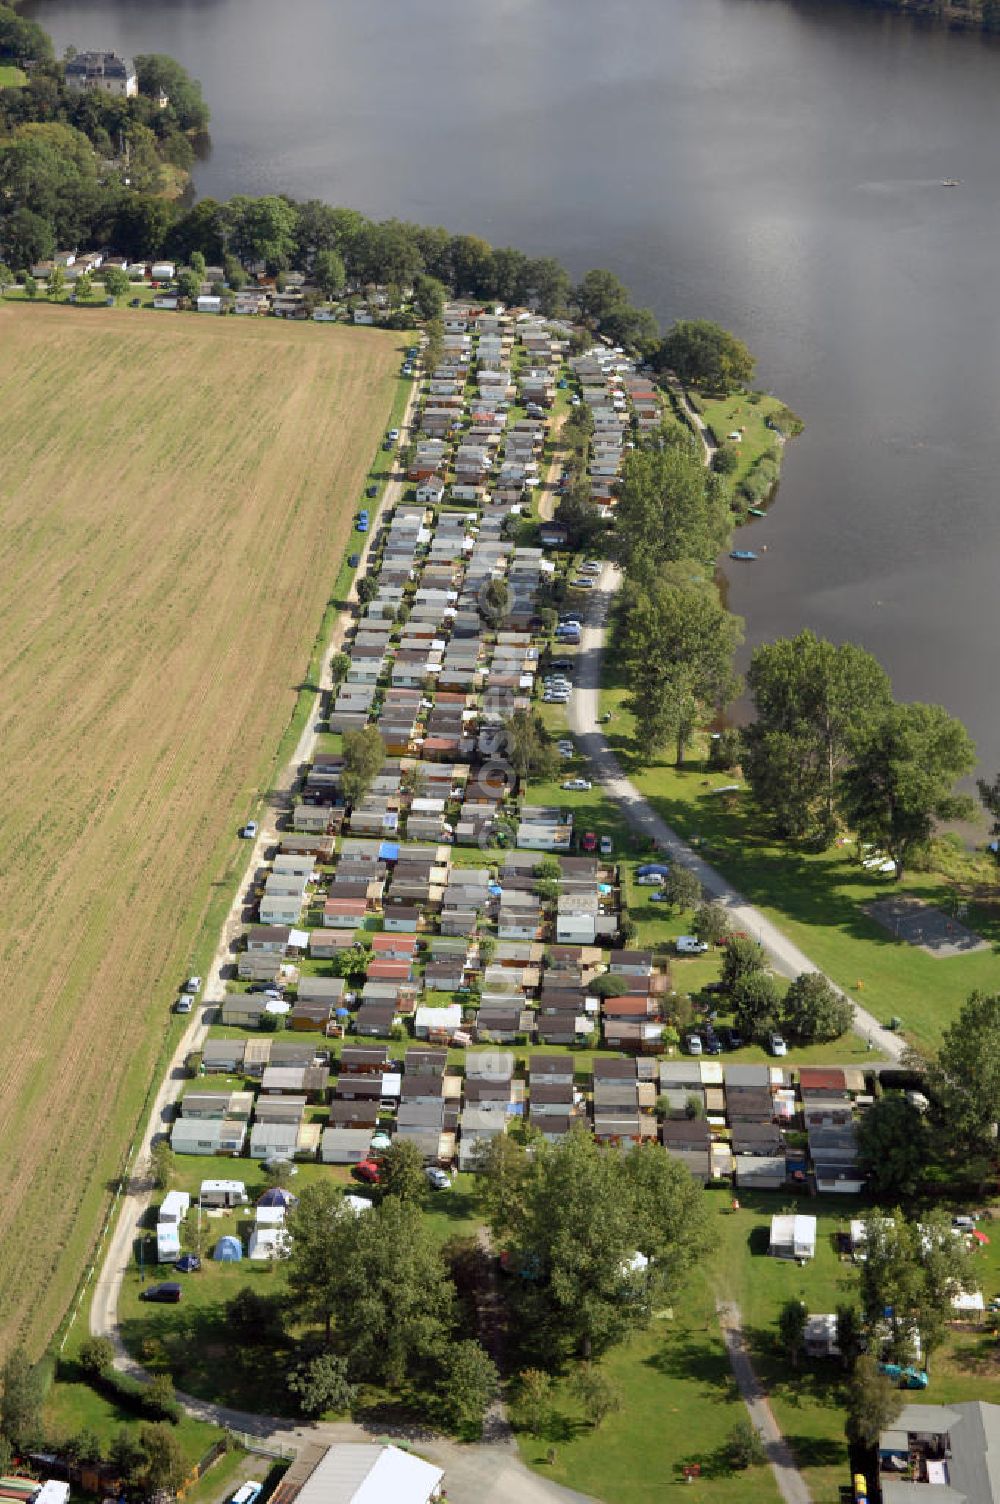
x=756, y=511
x=742, y=553
x=951, y=182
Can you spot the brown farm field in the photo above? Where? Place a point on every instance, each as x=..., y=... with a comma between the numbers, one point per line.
x=175, y=497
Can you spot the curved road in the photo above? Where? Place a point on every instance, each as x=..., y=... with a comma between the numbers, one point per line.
x=785, y=957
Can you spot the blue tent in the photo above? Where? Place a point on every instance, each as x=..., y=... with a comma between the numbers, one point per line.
x=388, y=851
x=276, y=1196
x=228, y=1250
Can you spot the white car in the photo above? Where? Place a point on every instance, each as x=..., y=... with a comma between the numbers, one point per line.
x=183, y=1004
x=438, y=1180
x=578, y=785
x=778, y=1045
x=690, y=945
x=192, y=985
x=694, y=1044
x=566, y=753
x=607, y=846
x=650, y=880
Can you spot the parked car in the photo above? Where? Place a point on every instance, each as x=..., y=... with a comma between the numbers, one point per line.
x=693, y=1044
x=368, y=1171
x=578, y=785
x=659, y=897
x=650, y=879
x=562, y=663
x=777, y=1045
x=169, y=1293
x=607, y=846
x=371, y=492
x=591, y=567
x=249, y=831
x=135, y=302
x=184, y=1005
x=588, y=841
x=393, y=433
x=602, y=720
x=188, y=1263
x=690, y=945
x=730, y=1039
x=438, y=1180
x=713, y=1045
x=192, y=985
x=353, y=560
x=566, y=753
x=362, y=523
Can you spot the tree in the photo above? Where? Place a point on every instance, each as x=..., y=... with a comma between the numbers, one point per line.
x=873, y=1403
x=189, y=285
x=705, y=355
x=428, y=296
x=254, y=1318
x=96, y=1356
x=743, y=955
x=744, y=1445
x=573, y=1216
x=812, y=700
x=528, y=745
x=126, y=1456
x=23, y=41
x=596, y=1393
x=903, y=777
x=910, y=1272
x=84, y=287
x=320, y=1384
x=682, y=888
x=142, y=224
x=608, y=986
x=495, y=601
x=892, y=1146
x=164, y=1467
x=469, y=1382
x=260, y=229
x=756, y=1003
x=55, y=286
x=669, y=508
x=533, y=1404
x=791, y=1329
x=376, y=1281
x=599, y=295
x=676, y=643
x=197, y=263
x=234, y=274
x=158, y=73
x=161, y=1167
x=965, y=1076
x=31, y=287
x=548, y=284
x=158, y=1396
x=989, y=794
x=328, y=273
x=364, y=754
x=116, y=283
x=813, y=1012
x=26, y=237
x=711, y=922
x=402, y=1172
x=6, y=277
x=22, y=1400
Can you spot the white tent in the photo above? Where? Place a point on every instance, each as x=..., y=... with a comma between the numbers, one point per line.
x=267, y=1243
x=793, y=1237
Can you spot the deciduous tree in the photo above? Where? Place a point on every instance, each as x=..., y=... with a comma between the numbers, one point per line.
x=705, y=355
x=813, y=1012
x=965, y=1075
x=364, y=754
x=873, y=1403
x=812, y=700
x=892, y=1146
x=902, y=779
x=320, y=1383
x=401, y=1172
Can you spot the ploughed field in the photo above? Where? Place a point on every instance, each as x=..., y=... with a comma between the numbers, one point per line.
x=175, y=496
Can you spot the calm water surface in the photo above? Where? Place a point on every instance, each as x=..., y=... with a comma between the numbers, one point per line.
x=771, y=164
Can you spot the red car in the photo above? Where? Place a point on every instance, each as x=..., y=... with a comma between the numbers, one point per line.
x=368, y=1171
x=589, y=842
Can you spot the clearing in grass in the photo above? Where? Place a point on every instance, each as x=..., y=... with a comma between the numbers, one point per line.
x=175, y=499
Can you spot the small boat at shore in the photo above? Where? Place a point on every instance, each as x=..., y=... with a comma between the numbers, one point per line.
x=951, y=182
x=756, y=511
x=744, y=554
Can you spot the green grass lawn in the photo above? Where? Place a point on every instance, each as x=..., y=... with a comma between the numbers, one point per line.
x=72, y=1407
x=12, y=77
x=818, y=898
x=745, y=413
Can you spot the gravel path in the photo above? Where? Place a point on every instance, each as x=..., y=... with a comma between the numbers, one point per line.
x=785, y=957
x=790, y=1481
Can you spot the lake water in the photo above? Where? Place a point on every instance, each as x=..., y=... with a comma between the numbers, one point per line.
x=773, y=165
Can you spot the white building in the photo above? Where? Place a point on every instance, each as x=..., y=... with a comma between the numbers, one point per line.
x=103, y=72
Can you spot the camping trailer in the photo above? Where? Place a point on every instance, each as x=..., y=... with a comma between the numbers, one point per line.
x=223, y=1193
